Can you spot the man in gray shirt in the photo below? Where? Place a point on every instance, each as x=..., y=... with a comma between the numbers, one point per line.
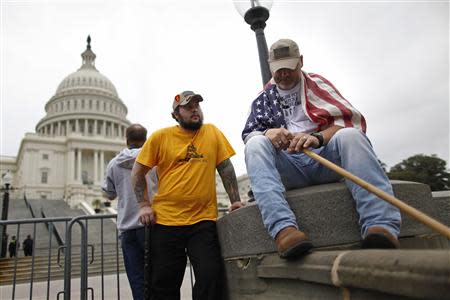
x=118, y=184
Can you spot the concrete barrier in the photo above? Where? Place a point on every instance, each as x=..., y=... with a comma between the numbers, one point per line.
x=327, y=214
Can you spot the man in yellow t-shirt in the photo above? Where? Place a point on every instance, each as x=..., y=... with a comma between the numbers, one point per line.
x=184, y=210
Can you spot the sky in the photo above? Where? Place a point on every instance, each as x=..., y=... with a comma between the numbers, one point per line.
x=390, y=59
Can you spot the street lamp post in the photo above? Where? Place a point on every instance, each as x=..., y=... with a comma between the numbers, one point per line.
x=7, y=179
x=256, y=13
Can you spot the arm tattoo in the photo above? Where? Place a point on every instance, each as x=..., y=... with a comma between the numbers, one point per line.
x=226, y=172
x=139, y=183
x=139, y=189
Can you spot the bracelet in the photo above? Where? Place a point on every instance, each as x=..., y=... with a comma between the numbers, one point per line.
x=319, y=136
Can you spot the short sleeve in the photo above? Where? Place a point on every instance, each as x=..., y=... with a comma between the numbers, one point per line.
x=148, y=156
x=224, y=148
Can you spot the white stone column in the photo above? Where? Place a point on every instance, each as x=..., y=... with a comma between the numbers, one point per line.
x=51, y=129
x=86, y=131
x=102, y=165
x=96, y=166
x=104, y=128
x=59, y=128
x=79, y=158
x=77, y=126
x=70, y=166
x=68, y=129
x=36, y=173
x=95, y=127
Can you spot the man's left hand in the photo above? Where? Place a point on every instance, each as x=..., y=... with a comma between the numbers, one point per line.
x=302, y=141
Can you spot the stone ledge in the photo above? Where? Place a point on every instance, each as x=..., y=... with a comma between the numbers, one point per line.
x=423, y=274
x=326, y=213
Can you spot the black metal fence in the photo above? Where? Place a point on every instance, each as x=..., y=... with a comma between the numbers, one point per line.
x=68, y=250
x=76, y=255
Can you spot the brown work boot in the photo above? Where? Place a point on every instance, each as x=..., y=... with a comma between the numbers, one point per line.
x=379, y=238
x=292, y=243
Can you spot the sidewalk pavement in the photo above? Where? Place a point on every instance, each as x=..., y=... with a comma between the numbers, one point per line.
x=22, y=291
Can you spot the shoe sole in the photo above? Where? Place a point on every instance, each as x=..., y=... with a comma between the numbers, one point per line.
x=377, y=241
x=296, y=251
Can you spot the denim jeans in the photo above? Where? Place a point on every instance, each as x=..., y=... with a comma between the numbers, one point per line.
x=133, y=247
x=272, y=172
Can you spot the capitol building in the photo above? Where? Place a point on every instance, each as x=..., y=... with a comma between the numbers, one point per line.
x=83, y=129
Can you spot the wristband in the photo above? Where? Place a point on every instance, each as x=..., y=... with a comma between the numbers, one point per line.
x=319, y=136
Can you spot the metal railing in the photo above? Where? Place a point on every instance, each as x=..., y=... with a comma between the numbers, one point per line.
x=31, y=278
x=58, y=262
x=66, y=259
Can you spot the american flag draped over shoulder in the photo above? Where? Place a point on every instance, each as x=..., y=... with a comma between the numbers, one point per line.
x=320, y=100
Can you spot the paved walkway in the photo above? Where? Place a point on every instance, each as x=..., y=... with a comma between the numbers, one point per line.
x=22, y=291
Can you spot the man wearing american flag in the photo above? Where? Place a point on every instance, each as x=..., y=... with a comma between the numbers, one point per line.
x=300, y=110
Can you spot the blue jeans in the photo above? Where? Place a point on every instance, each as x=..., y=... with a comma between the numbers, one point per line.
x=133, y=247
x=272, y=172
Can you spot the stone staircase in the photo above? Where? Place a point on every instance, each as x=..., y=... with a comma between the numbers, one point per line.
x=42, y=269
x=18, y=210
x=337, y=268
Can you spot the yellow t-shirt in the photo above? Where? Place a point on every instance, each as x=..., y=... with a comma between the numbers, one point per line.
x=186, y=164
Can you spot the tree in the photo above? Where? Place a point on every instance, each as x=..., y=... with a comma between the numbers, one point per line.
x=430, y=170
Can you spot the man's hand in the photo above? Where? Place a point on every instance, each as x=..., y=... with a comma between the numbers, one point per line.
x=280, y=137
x=236, y=205
x=146, y=214
x=302, y=141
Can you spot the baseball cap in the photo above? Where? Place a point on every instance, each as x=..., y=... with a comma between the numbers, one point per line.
x=283, y=54
x=184, y=98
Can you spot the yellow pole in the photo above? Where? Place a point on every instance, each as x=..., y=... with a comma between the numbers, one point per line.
x=409, y=210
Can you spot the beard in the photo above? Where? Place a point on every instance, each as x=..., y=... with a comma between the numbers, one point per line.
x=191, y=125
x=286, y=81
